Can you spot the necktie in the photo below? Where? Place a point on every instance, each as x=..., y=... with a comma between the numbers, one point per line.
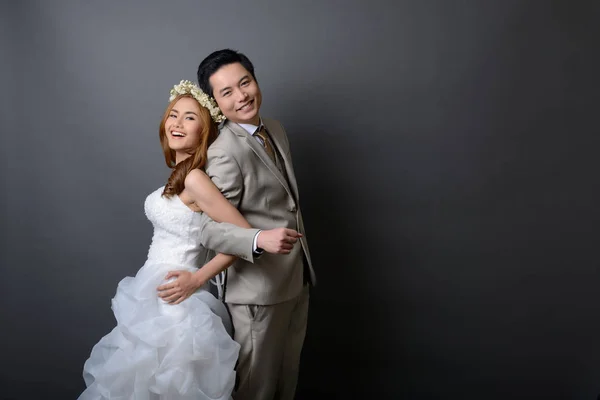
x=262, y=134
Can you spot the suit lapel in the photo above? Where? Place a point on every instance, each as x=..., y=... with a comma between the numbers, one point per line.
x=262, y=154
x=276, y=134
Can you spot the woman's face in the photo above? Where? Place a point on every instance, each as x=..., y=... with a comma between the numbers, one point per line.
x=183, y=126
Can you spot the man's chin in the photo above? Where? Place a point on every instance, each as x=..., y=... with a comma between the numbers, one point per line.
x=247, y=119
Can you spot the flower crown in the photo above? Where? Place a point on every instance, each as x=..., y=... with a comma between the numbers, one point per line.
x=189, y=87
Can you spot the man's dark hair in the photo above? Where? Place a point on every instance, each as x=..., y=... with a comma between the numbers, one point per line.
x=216, y=60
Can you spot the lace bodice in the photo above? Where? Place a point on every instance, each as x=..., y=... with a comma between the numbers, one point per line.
x=176, y=238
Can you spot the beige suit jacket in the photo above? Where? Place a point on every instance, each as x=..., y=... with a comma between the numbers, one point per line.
x=244, y=173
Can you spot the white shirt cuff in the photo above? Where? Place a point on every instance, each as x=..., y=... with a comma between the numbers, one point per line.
x=255, y=249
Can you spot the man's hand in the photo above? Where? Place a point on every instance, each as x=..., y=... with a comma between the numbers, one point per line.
x=180, y=289
x=278, y=240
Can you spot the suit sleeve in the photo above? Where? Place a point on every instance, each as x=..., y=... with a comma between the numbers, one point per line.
x=224, y=237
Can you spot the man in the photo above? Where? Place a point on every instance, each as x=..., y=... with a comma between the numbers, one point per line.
x=267, y=295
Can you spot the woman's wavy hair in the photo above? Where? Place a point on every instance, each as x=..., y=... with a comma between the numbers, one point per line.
x=197, y=159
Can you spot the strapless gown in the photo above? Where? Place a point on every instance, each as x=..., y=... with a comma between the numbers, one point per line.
x=158, y=350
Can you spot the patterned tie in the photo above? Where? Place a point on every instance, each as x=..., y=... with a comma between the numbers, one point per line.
x=262, y=134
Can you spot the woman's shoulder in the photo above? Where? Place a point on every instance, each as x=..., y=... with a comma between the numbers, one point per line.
x=196, y=179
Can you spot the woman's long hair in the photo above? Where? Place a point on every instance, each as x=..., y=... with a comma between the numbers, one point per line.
x=197, y=159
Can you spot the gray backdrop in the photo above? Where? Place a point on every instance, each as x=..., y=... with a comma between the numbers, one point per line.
x=446, y=158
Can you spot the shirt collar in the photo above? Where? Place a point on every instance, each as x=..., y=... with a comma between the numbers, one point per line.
x=252, y=129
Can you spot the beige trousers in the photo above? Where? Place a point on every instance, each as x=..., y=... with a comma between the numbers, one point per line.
x=271, y=339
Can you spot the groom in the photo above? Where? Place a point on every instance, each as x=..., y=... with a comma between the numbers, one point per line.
x=266, y=294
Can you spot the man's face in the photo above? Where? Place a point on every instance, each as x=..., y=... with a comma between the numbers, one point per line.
x=236, y=93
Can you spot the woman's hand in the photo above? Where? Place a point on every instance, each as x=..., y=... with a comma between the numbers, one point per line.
x=181, y=288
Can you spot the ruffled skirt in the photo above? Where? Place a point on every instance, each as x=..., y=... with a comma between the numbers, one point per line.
x=162, y=351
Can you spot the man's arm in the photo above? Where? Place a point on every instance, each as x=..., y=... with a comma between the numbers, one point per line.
x=224, y=237
x=228, y=238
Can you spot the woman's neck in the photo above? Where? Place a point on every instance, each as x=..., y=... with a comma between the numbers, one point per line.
x=179, y=157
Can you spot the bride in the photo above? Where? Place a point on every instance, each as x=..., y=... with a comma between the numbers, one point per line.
x=173, y=349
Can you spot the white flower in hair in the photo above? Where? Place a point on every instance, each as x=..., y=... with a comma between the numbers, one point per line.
x=189, y=87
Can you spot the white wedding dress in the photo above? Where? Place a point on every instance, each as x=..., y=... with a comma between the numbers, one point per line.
x=158, y=350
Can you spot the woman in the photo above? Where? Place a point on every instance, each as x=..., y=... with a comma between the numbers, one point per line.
x=165, y=349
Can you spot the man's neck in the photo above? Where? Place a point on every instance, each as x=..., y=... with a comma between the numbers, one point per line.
x=250, y=127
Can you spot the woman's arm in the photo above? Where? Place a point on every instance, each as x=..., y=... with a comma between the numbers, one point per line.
x=186, y=282
x=200, y=190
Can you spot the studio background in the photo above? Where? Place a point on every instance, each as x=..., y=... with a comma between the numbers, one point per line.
x=446, y=155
